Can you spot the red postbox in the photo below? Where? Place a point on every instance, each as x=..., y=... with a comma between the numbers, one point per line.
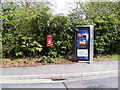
x=49, y=40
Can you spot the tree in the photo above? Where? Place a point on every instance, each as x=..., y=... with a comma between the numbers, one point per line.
x=105, y=17
x=19, y=35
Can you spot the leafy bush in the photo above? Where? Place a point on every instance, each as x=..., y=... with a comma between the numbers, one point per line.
x=20, y=45
x=105, y=17
x=26, y=25
x=47, y=59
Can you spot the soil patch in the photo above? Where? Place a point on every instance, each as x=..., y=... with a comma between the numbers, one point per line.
x=31, y=64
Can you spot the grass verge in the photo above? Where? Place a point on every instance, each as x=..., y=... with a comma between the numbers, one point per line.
x=107, y=57
x=45, y=60
x=31, y=62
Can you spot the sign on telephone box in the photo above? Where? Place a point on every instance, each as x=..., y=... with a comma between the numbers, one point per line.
x=84, y=43
x=49, y=40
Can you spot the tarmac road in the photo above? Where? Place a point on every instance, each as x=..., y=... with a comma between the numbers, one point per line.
x=80, y=75
x=106, y=82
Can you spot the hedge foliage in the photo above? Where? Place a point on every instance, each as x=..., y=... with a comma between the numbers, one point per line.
x=25, y=26
x=105, y=16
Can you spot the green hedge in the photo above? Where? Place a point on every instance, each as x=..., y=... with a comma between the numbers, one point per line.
x=26, y=25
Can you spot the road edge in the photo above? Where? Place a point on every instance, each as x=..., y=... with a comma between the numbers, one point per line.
x=60, y=75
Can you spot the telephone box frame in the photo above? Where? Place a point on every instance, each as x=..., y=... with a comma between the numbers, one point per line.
x=91, y=42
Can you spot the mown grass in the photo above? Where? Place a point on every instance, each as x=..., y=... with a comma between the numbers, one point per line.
x=107, y=57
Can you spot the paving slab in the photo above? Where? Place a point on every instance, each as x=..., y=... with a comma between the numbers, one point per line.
x=61, y=70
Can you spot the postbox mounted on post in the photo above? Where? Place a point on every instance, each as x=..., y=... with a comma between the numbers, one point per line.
x=49, y=40
x=84, y=43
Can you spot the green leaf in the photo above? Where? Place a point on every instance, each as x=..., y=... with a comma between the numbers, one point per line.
x=19, y=53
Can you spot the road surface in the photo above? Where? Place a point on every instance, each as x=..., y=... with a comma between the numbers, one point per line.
x=106, y=82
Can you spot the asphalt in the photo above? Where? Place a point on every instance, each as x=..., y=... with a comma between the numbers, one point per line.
x=60, y=71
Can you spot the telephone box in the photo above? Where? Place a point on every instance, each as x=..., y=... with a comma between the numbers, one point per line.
x=49, y=40
x=84, y=43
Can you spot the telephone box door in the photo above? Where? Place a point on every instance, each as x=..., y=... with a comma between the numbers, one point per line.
x=82, y=44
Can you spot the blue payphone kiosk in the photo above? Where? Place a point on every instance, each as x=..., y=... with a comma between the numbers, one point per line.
x=84, y=43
